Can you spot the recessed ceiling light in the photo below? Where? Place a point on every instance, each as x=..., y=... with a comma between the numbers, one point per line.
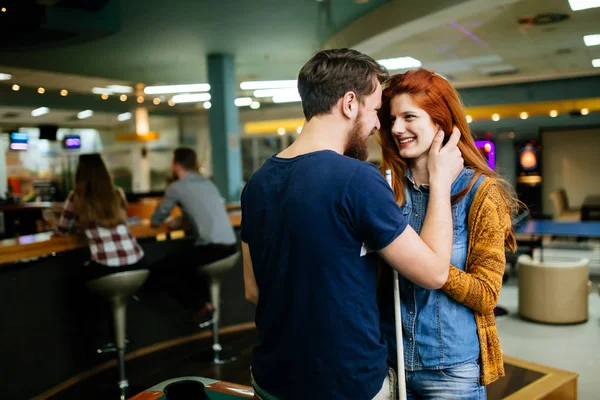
x=577, y=5
x=85, y=114
x=124, y=117
x=41, y=90
x=140, y=99
x=171, y=102
x=40, y=111
x=400, y=63
x=3, y=9
x=64, y=92
x=207, y=105
x=524, y=115
x=243, y=101
x=156, y=101
x=5, y=77
x=596, y=62
x=496, y=117
x=254, y=85
x=281, y=131
x=191, y=97
x=469, y=119
x=123, y=97
x=104, y=96
x=255, y=105
x=196, y=87
x=16, y=88
x=585, y=111
x=591, y=40
x=553, y=113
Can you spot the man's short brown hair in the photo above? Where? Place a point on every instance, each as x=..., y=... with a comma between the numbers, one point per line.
x=330, y=74
x=187, y=158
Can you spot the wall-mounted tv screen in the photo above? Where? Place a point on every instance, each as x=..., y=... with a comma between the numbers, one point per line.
x=72, y=142
x=18, y=141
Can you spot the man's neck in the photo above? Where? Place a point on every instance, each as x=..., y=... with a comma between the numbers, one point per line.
x=320, y=133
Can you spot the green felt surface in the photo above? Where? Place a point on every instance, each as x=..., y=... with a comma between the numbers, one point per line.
x=211, y=395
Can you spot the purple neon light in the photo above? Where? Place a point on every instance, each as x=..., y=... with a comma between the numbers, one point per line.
x=73, y=142
x=491, y=154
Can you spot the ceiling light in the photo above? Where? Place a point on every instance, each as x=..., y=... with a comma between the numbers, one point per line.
x=243, y=101
x=99, y=90
x=469, y=119
x=120, y=89
x=41, y=90
x=399, y=63
x=123, y=97
x=281, y=131
x=269, y=84
x=140, y=99
x=64, y=92
x=85, y=114
x=207, y=105
x=553, y=113
x=171, y=102
x=286, y=98
x=197, y=87
x=105, y=96
x=524, y=115
x=3, y=9
x=16, y=88
x=191, y=97
x=591, y=40
x=255, y=105
x=596, y=62
x=275, y=92
x=156, y=101
x=124, y=117
x=577, y=5
x=496, y=117
x=585, y=111
x=40, y=111
x=5, y=77
x=299, y=130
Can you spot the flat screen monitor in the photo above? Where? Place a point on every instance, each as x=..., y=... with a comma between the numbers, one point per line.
x=18, y=141
x=72, y=142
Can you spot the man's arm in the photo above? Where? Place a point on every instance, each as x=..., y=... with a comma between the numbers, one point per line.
x=164, y=208
x=249, y=281
x=425, y=260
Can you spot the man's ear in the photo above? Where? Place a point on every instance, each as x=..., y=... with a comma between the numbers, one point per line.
x=349, y=105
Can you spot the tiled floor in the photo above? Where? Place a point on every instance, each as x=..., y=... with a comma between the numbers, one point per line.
x=574, y=348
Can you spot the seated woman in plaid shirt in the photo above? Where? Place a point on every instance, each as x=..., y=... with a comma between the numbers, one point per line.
x=98, y=208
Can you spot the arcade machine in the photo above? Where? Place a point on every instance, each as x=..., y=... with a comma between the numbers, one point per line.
x=488, y=151
x=529, y=177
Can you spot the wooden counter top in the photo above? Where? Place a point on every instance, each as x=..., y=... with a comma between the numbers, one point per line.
x=40, y=244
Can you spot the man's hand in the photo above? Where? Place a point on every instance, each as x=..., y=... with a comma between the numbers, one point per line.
x=445, y=163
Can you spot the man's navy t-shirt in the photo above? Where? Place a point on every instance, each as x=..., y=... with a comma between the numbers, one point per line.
x=307, y=221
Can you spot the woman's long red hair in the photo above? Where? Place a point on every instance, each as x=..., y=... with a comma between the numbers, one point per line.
x=436, y=96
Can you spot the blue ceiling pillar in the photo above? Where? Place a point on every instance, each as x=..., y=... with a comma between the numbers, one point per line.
x=224, y=126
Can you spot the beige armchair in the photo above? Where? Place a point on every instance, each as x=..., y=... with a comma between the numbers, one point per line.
x=552, y=291
x=561, y=206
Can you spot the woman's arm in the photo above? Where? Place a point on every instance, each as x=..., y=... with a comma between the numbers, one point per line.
x=479, y=287
x=66, y=222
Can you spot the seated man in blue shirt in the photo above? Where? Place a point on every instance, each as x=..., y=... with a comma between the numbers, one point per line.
x=309, y=214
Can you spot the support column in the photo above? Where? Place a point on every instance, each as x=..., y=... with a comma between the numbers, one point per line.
x=3, y=168
x=140, y=166
x=224, y=126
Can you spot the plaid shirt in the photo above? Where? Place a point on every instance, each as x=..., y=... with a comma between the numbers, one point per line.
x=113, y=247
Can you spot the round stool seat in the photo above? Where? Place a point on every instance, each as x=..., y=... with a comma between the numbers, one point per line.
x=219, y=266
x=118, y=284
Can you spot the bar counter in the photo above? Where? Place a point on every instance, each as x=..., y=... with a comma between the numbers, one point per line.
x=30, y=246
x=50, y=332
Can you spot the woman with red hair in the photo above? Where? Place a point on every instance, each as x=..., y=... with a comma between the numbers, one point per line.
x=451, y=347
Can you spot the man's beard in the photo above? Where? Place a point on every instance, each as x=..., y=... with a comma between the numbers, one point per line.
x=357, y=147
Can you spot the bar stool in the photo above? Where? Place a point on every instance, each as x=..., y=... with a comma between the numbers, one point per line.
x=117, y=288
x=214, y=271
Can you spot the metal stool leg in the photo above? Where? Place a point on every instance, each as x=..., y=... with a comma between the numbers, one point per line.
x=215, y=298
x=119, y=310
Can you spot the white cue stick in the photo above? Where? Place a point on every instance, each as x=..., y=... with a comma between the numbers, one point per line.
x=398, y=318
